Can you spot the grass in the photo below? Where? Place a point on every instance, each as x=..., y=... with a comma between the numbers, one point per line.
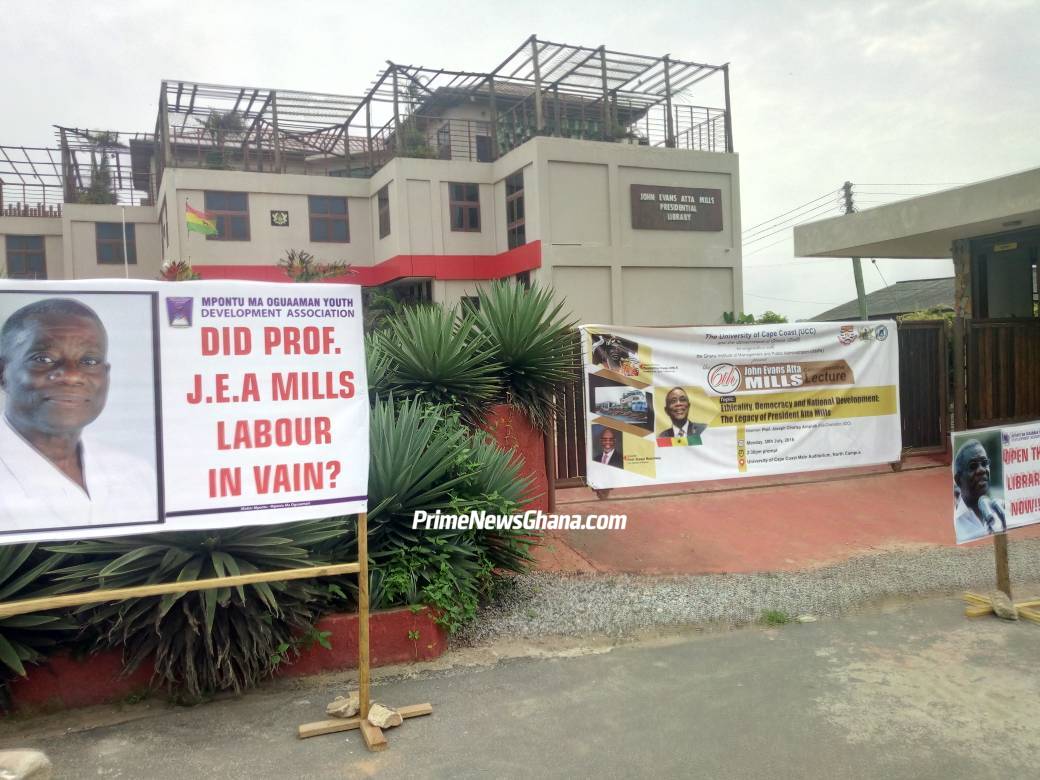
x=775, y=617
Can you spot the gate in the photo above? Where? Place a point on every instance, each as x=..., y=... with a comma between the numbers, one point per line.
x=924, y=384
x=570, y=432
x=1000, y=371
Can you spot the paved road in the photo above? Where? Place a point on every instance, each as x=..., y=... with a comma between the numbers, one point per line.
x=912, y=691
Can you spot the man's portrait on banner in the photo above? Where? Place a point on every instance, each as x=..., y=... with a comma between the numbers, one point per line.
x=78, y=411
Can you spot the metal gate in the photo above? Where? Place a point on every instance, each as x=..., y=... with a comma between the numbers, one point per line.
x=999, y=360
x=924, y=385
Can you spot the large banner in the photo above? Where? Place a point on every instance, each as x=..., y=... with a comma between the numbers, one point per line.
x=996, y=480
x=132, y=407
x=685, y=404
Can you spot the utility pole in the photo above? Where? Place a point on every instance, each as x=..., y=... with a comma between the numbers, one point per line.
x=857, y=269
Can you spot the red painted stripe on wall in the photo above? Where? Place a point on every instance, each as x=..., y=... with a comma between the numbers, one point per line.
x=443, y=267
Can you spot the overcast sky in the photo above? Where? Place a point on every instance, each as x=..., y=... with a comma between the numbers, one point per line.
x=890, y=93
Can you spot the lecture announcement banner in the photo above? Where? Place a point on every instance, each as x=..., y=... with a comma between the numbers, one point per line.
x=685, y=404
x=129, y=407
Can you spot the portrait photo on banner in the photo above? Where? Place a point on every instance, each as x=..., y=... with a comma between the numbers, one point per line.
x=978, y=485
x=80, y=440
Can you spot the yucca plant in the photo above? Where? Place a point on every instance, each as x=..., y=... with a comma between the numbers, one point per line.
x=437, y=356
x=532, y=340
x=204, y=641
x=423, y=457
x=28, y=639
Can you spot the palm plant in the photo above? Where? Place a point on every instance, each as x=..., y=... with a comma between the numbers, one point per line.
x=28, y=638
x=533, y=342
x=218, y=639
x=439, y=357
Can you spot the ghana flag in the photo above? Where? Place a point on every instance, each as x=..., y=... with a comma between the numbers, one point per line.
x=200, y=221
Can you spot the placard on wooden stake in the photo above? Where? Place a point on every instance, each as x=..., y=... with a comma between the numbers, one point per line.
x=373, y=736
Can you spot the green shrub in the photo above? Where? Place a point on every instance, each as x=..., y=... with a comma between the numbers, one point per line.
x=532, y=340
x=204, y=641
x=28, y=639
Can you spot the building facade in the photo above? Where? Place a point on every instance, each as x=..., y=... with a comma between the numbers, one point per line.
x=571, y=166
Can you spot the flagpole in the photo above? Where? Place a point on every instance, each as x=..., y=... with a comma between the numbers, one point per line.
x=126, y=258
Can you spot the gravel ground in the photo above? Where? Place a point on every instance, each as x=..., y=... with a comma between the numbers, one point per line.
x=545, y=604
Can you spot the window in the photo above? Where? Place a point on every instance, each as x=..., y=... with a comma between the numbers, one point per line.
x=515, y=210
x=383, y=200
x=470, y=304
x=329, y=219
x=464, y=206
x=231, y=211
x=109, y=237
x=483, y=148
x=26, y=258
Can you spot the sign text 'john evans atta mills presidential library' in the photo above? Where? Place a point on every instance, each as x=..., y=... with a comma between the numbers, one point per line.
x=131, y=407
x=685, y=404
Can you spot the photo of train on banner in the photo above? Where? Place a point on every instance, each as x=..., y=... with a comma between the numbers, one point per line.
x=185, y=406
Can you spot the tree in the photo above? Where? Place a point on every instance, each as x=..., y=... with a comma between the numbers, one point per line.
x=768, y=318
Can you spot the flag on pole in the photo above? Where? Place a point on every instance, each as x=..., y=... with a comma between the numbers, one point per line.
x=200, y=221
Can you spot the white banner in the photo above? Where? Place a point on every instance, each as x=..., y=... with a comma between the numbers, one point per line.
x=131, y=406
x=996, y=480
x=684, y=404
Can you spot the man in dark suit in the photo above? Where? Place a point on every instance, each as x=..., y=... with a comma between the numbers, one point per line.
x=677, y=405
x=609, y=453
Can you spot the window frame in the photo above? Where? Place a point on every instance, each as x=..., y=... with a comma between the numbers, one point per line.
x=24, y=253
x=516, y=231
x=328, y=218
x=223, y=216
x=127, y=233
x=383, y=210
x=467, y=207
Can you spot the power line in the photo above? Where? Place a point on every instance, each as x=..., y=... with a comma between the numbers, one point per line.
x=798, y=214
x=796, y=208
x=792, y=300
x=808, y=216
x=913, y=184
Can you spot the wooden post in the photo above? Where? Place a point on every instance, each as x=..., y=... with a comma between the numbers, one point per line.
x=397, y=113
x=1000, y=550
x=960, y=400
x=493, y=109
x=164, y=127
x=607, y=135
x=669, y=133
x=729, y=109
x=346, y=146
x=277, y=134
x=368, y=135
x=363, y=659
x=539, y=114
x=550, y=466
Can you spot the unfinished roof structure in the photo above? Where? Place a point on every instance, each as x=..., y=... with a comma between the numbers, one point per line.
x=541, y=88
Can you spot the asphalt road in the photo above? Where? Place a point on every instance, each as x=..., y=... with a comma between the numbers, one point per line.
x=908, y=691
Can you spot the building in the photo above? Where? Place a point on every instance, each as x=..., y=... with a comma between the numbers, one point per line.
x=991, y=230
x=895, y=300
x=574, y=166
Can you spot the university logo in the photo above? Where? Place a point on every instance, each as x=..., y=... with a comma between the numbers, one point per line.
x=724, y=378
x=847, y=335
x=178, y=312
x=881, y=333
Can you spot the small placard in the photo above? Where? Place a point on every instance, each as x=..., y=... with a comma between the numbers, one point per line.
x=279, y=218
x=675, y=208
x=1005, y=247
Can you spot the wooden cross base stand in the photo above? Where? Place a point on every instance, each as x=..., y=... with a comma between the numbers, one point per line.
x=978, y=606
x=373, y=736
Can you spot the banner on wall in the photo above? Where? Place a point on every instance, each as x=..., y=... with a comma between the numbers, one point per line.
x=135, y=407
x=684, y=404
x=996, y=480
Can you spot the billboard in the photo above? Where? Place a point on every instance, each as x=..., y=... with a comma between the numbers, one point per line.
x=996, y=480
x=669, y=405
x=129, y=407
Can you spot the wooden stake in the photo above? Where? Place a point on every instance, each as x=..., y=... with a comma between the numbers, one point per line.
x=1000, y=550
x=374, y=738
x=363, y=660
x=166, y=588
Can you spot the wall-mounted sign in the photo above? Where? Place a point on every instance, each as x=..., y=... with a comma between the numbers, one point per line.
x=656, y=207
x=280, y=218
